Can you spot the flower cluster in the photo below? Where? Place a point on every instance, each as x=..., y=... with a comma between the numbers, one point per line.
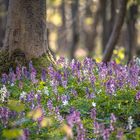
x=86, y=100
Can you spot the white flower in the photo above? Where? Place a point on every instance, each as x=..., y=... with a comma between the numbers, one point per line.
x=39, y=91
x=99, y=91
x=66, y=62
x=65, y=102
x=23, y=95
x=12, y=84
x=93, y=104
x=3, y=93
x=130, y=122
x=46, y=91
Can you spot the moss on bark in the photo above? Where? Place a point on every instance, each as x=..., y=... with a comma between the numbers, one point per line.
x=18, y=59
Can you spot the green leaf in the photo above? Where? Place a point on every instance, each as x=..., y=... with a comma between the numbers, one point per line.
x=12, y=133
x=16, y=105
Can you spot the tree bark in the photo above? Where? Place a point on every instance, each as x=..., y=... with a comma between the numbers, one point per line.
x=75, y=34
x=3, y=17
x=26, y=28
x=104, y=23
x=116, y=31
x=131, y=31
x=91, y=30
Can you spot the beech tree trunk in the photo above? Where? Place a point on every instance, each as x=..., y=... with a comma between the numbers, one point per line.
x=116, y=31
x=26, y=28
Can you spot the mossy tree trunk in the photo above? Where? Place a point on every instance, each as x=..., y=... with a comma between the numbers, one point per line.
x=26, y=28
x=26, y=35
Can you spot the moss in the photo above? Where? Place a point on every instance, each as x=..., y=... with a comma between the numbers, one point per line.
x=43, y=62
x=18, y=58
x=7, y=61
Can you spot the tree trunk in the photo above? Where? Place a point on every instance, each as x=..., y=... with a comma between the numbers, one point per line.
x=131, y=31
x=104, y=22
x=26, y=28
x=116, y=31
x=3, y=17
x=91, y=30
x=75, y=34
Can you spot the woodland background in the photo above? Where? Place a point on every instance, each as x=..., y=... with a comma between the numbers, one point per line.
x=80, y=28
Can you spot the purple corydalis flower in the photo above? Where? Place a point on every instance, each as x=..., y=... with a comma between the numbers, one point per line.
x=4, y=78
x=50, y=105
x=112, y=121
x=96, y=127
x=119, y=134
x=73, y=117
x=111, y=86
x=92, y=79
x=43, y=75
x=20, y=84
x=74, y=92
x=51, y=72
x=30, y=96
x=93, y=113
x=112, y=118
x=64, y=83
x=4, y=115
x=106, y=134
x=12, y=77
x=88, y=65
x=138, y=96
x=33, y=76
x=18, y=73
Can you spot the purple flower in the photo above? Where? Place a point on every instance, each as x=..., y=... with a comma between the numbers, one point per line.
x=50, y=105
x=4, y=78
x=96, y=127
x=74, y=92
x=93, y=113
x=111, y=86
x=33, y=76
x=73, y=118
x=4, y=115
x=64, y=83
x=112, y=118
x=43, y=75
x=18, y=73
x=119, y=134
x=12, y=77
x=106, y=134
x=138, y=96
x=92, y=79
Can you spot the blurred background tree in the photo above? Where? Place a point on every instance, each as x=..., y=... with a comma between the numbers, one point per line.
x=81, y=28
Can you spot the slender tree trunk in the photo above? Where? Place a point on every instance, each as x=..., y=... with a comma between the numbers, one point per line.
x=26, y=28
x=91, y=30
x=131, y=31
x=116, y=31
x=75, y=34
x=107, y=22
x=112, y=18
x=1, y=33
x=104, y=22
